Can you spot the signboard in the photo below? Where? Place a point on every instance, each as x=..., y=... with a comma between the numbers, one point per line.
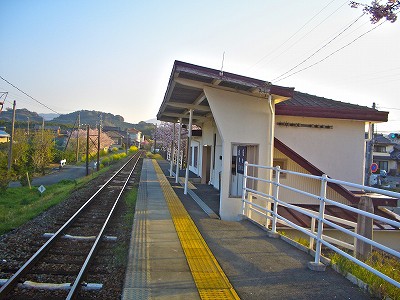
x=374, y=167
x=241, y=158
x=41, y=189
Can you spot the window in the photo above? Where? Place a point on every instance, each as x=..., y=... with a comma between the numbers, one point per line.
x=381, y=149
x=195, y=156
x=383, y=165
x=281, y=163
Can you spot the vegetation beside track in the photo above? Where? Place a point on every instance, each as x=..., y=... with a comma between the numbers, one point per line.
x=21, y=204
x=386, y=264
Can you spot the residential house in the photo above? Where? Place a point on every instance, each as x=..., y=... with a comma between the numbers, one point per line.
x=382, y=154
x=4, y=136
x=135, y=137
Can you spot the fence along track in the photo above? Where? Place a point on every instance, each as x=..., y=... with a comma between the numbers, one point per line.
x=92, y=209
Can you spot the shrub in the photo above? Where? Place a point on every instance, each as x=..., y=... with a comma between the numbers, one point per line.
x=103, y=152
x=114, y=149
x=5, y=179
x=133, y=149
x=105, y=161
x=153, y=156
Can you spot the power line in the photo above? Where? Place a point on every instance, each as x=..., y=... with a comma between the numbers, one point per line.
x=28, y=95
x=288, y=39
x=334, y=52
x=312, y=29
x=389, y=108
x=315, y=52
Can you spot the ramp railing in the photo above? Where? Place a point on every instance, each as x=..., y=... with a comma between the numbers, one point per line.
x=269, y=211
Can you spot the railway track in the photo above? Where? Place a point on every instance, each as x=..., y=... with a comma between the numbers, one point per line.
x=59, y=268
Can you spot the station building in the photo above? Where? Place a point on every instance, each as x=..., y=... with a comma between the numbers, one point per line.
x=243, y=118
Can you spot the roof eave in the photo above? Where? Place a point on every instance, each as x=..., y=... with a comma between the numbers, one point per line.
x=348, y=114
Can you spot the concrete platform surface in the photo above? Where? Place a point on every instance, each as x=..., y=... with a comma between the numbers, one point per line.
x=258, y=267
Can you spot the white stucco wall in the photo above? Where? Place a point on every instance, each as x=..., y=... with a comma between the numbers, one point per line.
x=240, y=119
x=338, y=152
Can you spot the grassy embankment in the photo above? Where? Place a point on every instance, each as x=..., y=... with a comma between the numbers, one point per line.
x=21, y=204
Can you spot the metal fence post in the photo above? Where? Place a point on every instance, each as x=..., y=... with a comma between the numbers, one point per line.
x=276, y=195
x=312, y=231
x=316, y=265
x=244, y=187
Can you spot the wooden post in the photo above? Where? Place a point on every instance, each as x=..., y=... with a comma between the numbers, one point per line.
x=98, y=148
x=364, y=228
x=87, y=150
x=12, y=138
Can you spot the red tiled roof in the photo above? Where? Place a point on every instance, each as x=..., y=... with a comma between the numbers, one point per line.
x=306, y=105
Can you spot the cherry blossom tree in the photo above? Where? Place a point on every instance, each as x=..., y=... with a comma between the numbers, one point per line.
x=378, y=11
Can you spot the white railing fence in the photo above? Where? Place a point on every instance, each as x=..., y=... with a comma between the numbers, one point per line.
x=316, y=235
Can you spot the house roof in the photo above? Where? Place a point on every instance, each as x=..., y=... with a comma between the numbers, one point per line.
x=4, y=134
x=380, y=139
x=185, y=90
x=306, y=105
x=133, y=130
x=114, y=134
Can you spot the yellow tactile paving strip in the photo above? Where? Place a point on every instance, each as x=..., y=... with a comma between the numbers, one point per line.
x=190, y=185
x=209, y=277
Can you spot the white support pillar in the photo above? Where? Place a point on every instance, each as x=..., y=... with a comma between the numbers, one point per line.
x=178, y=155
x=172, y=151
x=188, y=156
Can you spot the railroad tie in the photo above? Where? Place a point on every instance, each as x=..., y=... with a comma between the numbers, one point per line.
x=210, y=279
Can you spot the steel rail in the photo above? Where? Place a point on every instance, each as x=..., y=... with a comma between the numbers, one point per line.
x=78, y=280
x=13, y=281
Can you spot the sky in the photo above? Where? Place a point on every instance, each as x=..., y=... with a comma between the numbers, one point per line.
x=117, y=56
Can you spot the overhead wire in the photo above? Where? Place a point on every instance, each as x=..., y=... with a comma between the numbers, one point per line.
x=1, y=77
x=311, y=30
x=319, y=49
x=294, y=34
x=329, y=55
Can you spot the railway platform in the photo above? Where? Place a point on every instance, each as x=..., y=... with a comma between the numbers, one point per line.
x=178, y=251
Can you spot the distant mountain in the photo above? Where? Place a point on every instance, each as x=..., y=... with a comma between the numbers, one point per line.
x=153, y=121
x=49, y=117
x=86, y=117
x=21, y=115
x=92, y=118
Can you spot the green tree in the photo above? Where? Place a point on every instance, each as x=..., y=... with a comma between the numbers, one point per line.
x=20, y=151
x=42, y=150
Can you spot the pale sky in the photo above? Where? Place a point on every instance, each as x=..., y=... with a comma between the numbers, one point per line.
x=116, y=56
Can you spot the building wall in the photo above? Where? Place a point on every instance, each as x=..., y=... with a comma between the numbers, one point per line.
x=338, y=152
x=240, y=119
x=302, y=183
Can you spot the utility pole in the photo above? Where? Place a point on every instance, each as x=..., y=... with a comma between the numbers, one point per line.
x=87, y=150
x=370, y=150
x=155, y=139
x=127, y=141
x=98, y=147
x=12, y=138
x=42, y=128
x=28, y=126
x=77, y=137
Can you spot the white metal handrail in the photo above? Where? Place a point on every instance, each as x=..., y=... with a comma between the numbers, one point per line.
x=320, y=216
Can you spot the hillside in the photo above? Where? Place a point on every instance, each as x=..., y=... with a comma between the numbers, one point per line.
x=21, y=115
x=87, y=117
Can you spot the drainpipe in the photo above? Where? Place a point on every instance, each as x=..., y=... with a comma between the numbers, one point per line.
x=178, y=155
x=271, y=148
x=271, y=132
x=188, y=151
